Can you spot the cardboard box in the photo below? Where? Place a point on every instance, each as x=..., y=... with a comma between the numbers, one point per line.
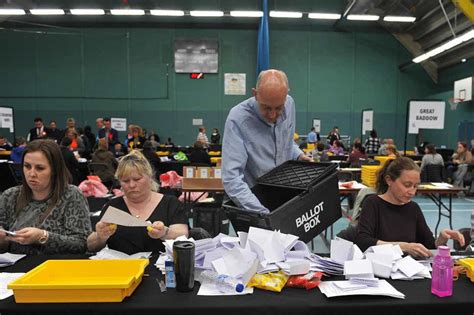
x=203, y=172
x=189, y=172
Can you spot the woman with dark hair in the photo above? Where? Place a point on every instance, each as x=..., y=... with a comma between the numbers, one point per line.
x=358, y=152
x=47, y=214
x=391, y=217
x=372, y=144
x=431, y=157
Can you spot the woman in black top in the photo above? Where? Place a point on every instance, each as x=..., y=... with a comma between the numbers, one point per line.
x=141, y=200
x=391, y=216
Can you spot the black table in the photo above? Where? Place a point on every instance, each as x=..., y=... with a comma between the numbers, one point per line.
x=147, y=299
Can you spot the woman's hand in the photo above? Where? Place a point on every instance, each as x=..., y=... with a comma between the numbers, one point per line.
x=26, y=236
x=105, y=230
x=415, y=250
x=157, y=230
x=446, y=234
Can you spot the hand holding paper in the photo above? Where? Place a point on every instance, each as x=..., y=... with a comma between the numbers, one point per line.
x=119, y=217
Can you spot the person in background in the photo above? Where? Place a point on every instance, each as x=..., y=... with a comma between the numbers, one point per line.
x=154, y=137
x=215, y=136
x=336, y=148
x=431, y=157
x=357, y=140
x=458, y=168
x=109, y=133
x=391, y=217
x=39, y=131
x=70, y=125
x=472, y=147
x=386, y=142
x=202, y=137
x=90, y=137
x=88, y=148
x=118, y=150
x=372, y=143
x=199, y=154
x=99, y=122
x=76, y=142
x=55, y=133
x=70, y=161
x=137, y=140
x=149, y=151
x=142, y=201
x=258, y=137
x=4, y=144
x=320, y=154
x=169, y=142
x=313, y=137
x=391, y=151
x=357, y=153
x=48, y=215
x=334, y=135
x=17, y=151
x=103, y=156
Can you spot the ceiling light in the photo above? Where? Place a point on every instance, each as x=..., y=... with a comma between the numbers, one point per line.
x=324, y=16
x=167, y=12
x=47, y=11
x=127, y=12
x=12, y=12
x=357, y=17
x=392, y=18
x=286, y=14
x=463, y=60
x=246, y=13
x=446, y=46
x=87, y=12
x=207, y=13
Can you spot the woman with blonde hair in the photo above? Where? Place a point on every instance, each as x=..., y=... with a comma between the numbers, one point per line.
x=137, y=140
x=141, y=199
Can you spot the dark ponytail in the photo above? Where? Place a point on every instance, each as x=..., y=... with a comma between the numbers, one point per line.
x=394, y=168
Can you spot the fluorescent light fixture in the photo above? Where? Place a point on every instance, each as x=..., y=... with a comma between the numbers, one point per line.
x=286, y=14
x=246, y=13
x=127, y=12
x=167, y=12
x=324, y=16
x=47, y=12
x=358, y=17
x=463, y=60
x=446, y=46
x=12, y=12
x=87, y=12
x=404, y=19
x=207, y=13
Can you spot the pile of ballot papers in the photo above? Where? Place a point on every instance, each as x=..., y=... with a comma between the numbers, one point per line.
x=8, y=259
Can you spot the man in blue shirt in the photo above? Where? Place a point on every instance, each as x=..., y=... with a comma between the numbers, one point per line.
x=312, y=136
x=258, y=137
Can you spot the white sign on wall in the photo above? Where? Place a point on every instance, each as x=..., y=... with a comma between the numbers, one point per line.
x=6, y=118
x=197, y=122
x=317, y=125
x=234, y=83
x=119, y=124
x=367, y=121
x=426, y=115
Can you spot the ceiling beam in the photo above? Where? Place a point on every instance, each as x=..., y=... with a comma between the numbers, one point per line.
x=443, y=34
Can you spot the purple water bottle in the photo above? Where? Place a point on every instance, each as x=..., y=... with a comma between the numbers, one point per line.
x=442, y=275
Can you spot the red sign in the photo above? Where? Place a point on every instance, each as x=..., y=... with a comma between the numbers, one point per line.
x=196, y=75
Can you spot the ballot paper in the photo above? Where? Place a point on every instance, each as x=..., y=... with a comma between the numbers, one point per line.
x=326, y=265
x=8, y=259
x=107, y=253
x=330, y=289
x=5, y=279
x=358, y=268
x=409, y=266
x=388, y=249
x=119, y=217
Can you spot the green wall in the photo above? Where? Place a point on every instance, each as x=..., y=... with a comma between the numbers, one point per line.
x=128, y=72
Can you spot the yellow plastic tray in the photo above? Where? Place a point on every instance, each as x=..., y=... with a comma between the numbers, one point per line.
x=79, y=281
x=469, y=264
x=214, y=153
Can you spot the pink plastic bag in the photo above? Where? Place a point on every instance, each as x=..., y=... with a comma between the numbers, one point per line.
x=170, y=179
x=93, y=188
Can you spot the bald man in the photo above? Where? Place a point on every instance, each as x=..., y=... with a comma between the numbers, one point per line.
x=258, y=137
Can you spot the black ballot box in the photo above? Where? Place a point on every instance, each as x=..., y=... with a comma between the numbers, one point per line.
x=303, y=199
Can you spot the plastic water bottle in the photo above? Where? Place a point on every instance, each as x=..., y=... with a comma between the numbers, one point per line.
x=169, y=274
x=223, y=283
x=442, y=275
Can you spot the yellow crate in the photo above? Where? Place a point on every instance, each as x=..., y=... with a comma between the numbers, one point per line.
x=215, y=159
x=162, y=153
x=214, y=153
x=79, y=281
x=383, y=159
x=469, y=264
x=310, y=146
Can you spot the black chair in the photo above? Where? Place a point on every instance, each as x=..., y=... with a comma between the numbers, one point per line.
x=445, y=153
x=433, y=173
x=7, y=178
x=17, y=170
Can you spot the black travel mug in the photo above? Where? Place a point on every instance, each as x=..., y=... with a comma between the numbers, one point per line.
x=183, y=256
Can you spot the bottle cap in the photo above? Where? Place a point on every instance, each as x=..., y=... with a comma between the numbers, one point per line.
x=239, y=287
x=443, y=250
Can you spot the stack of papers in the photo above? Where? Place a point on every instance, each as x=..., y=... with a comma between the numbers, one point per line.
x=326, y=265
x=346, y=288
x=8, y=259
x=5, y=279
x=107, y=253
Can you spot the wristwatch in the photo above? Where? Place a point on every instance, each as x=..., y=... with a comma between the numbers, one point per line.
x=42, y=240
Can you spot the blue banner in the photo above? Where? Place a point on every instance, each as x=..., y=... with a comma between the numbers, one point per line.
x=263, y=45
